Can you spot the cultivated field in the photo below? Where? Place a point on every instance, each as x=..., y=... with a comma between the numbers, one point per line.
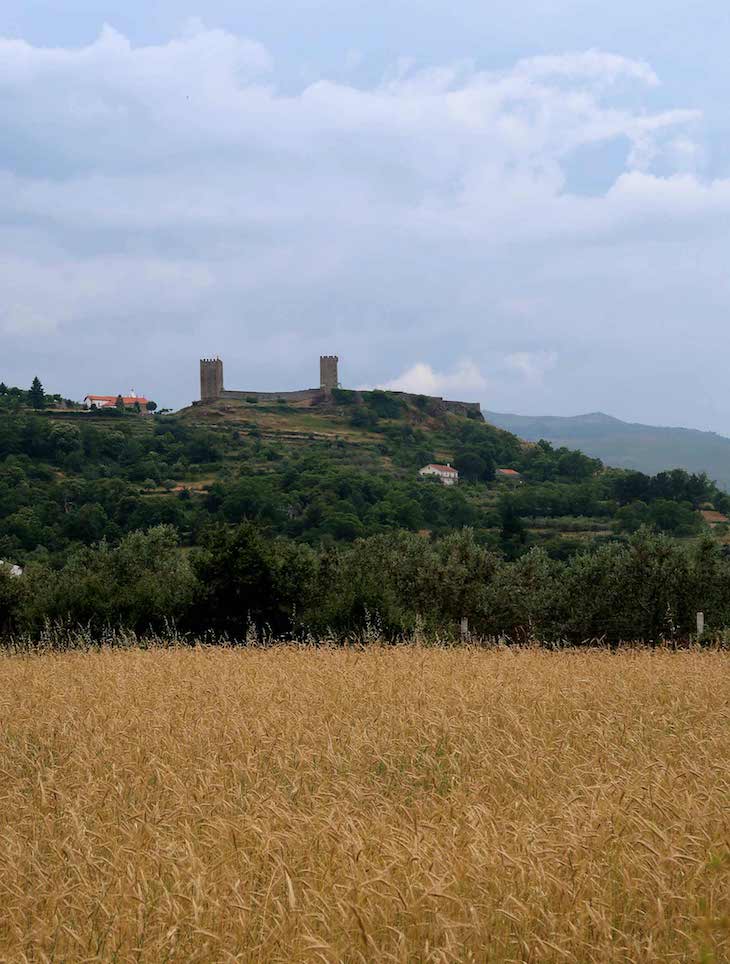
x=380, y=805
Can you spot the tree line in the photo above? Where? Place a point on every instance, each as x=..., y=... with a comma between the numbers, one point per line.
x=241, y=582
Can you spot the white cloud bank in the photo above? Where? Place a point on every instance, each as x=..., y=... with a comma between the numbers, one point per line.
x=465, y=380
x=175, y=193
x=531, y=365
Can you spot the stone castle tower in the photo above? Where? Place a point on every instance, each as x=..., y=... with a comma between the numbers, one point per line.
x=328, y=372
x=211, y=378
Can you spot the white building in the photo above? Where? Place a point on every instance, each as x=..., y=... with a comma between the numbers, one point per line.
x=446, y=473
x=14, y=570
x=110, y=401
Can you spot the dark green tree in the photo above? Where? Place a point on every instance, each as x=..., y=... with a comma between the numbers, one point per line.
x=513, y=535
x=36, y=395
x=250, y=581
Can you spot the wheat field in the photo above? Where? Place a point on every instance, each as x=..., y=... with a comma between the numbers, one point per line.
x=378, y=804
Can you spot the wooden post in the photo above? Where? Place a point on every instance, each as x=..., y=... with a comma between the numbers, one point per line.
x=700, y=623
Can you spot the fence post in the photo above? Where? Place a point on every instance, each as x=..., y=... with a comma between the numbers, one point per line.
x=700, y=623
x=464, y=627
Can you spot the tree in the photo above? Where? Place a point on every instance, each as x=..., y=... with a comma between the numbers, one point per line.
x=474, y=465
x=464, y=569
x=119, y=404
x=144, y=583
x=513, y=533
x=250, y=581
x=3, y=388
x=384, y=404
x=151, y=406
x=36, y=395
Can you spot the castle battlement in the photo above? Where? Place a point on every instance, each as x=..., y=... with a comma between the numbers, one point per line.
x=211, y=387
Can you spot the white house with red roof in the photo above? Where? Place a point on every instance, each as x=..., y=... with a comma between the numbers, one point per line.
x=446, y=473
x=109, y=401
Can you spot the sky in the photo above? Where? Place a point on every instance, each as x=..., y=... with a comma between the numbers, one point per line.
x=526, y=205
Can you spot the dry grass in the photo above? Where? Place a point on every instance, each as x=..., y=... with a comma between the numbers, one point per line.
x=381, y=805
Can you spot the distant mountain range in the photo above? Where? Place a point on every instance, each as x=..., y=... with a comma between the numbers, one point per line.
x=628, y=445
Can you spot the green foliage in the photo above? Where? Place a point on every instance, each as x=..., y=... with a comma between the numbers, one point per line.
x=343, y=396
x=36, y=395
x=384, y=404
x=474, y=465
x=664, y=515
x=512, y=534
x=143, y=583
x=645, y=447
x=392, y=584
x=249, y=581
x=339, y=536
x=362, y=418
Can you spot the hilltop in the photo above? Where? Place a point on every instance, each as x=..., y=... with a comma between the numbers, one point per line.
x=628, y=445
x=362, y=419
x=324, y=469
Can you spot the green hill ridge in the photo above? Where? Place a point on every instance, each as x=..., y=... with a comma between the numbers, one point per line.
x=627, y=445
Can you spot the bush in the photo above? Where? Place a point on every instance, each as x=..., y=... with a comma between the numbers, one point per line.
x=384, y=404
x=144, y=583
x=343, y=396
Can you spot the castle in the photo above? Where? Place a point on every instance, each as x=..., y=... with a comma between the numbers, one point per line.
x=211, y=383
x=211, y=388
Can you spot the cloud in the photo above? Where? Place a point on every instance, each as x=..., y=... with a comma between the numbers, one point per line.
x=177, y=193
x=531, y=365
x=596, y=65
x=463, y=380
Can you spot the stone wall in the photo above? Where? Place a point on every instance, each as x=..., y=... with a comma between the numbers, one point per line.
x=463, y=408
x=300, y=396
x=445, y=405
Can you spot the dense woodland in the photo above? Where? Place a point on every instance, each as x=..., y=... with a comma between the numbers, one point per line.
x=142, y=521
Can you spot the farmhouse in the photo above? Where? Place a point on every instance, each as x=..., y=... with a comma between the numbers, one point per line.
x=507, y=475
x=446, y=473
x=109, y=401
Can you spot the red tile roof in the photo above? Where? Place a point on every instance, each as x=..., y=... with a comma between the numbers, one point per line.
x=510, y=472
x=442, y=468
x=709, y=515
x=127, y=399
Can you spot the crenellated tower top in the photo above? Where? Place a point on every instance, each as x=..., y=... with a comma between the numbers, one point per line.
x=211, y=378
x=328, y=378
